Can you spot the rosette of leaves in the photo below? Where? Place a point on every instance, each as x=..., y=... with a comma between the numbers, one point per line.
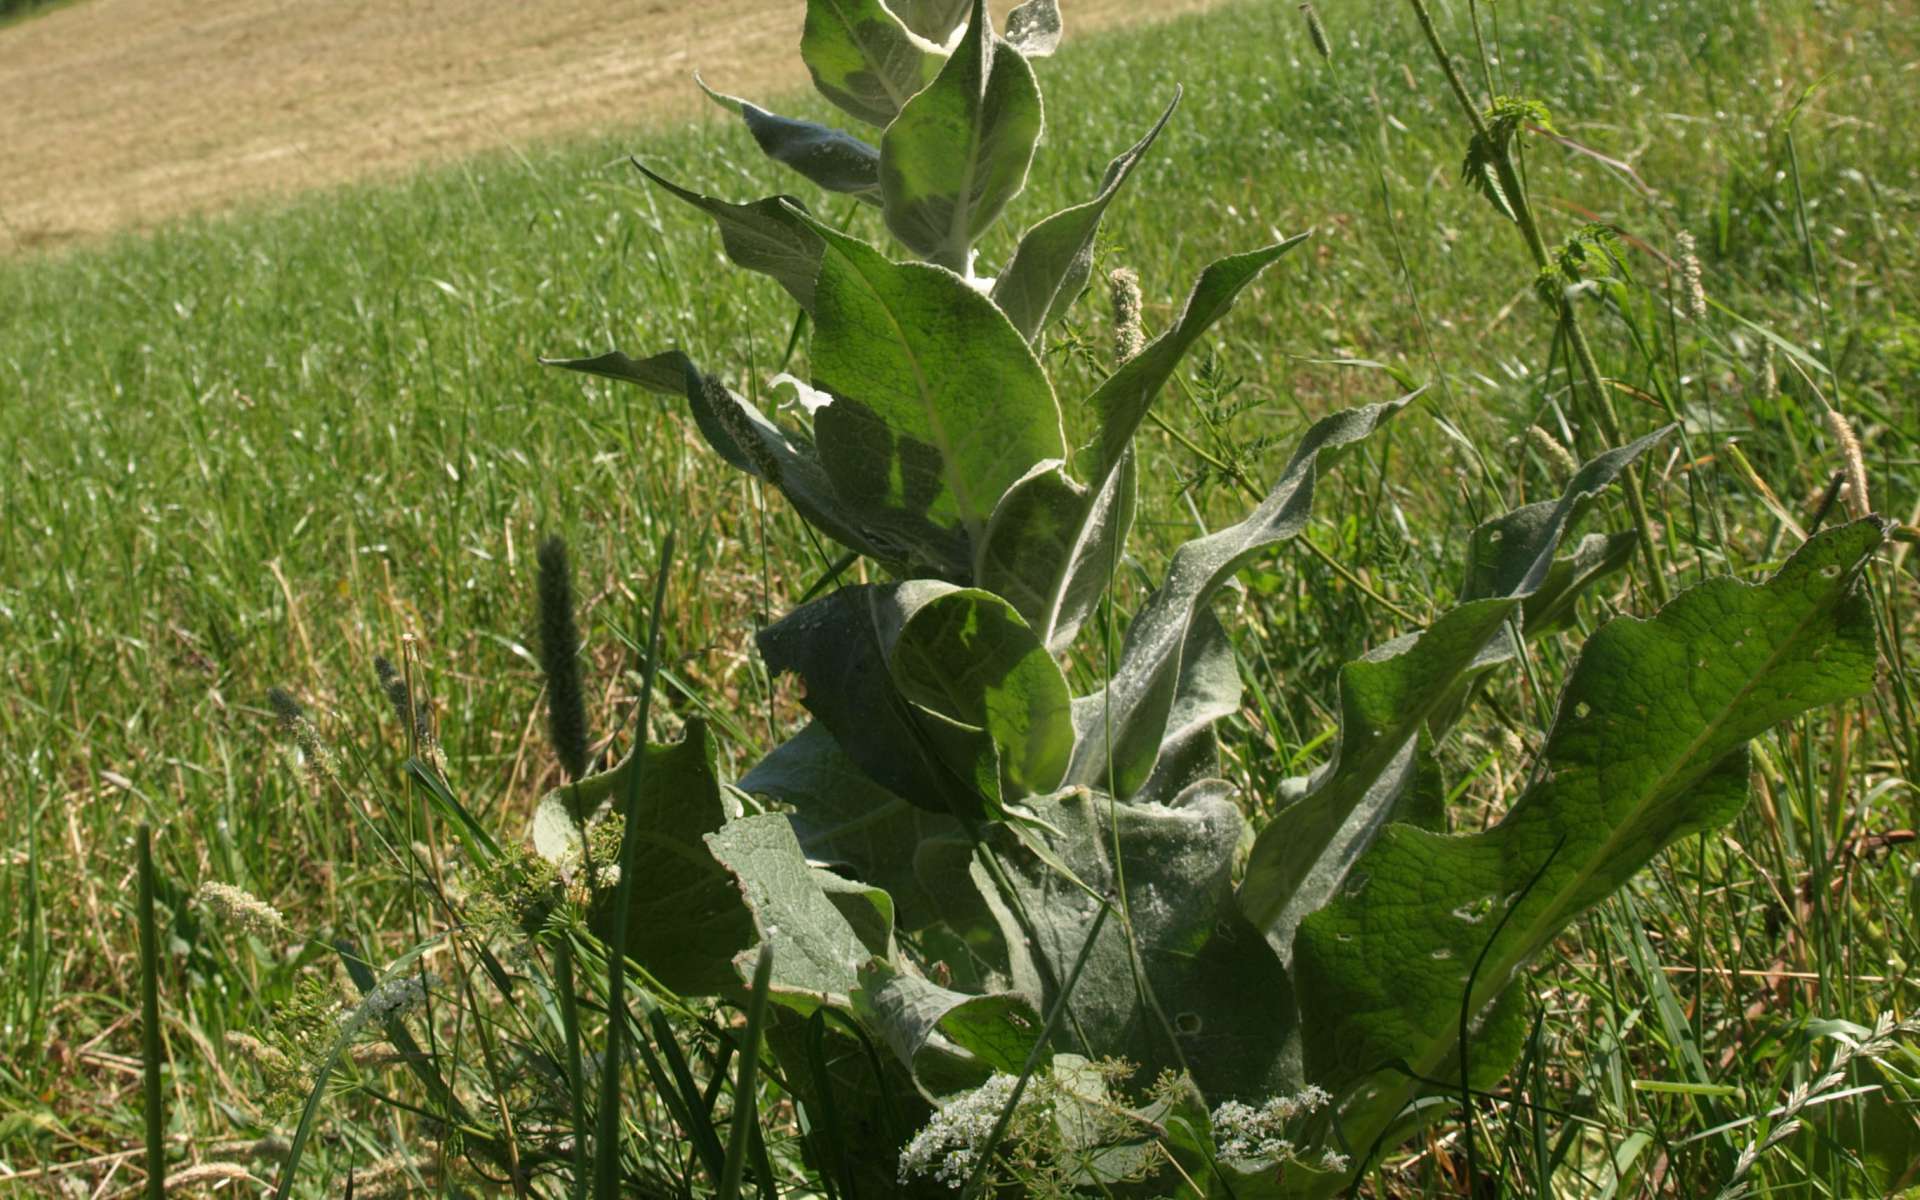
x=973, y=871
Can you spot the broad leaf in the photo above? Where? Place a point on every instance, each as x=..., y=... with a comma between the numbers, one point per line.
x=688, y=922
x=1051, y=550
x=1207, y=692
x=847, y=821
x=1649, y=746
x=863, y=59
x=832, y=158
x=817, y=953
x=935, y=20
x=1033, y=28
x=764, y=236
x=966, y=655
x=951, y=1042
x=939, y=405
x=835, y=648
x=1208, y=993
x=1121, y=402
x=1121, y=736
x=1387, y=697
x=960, y=150
x=1055, y=257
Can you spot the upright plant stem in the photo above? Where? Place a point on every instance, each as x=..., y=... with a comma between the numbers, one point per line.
x=1569, y=317
x=150, y=1024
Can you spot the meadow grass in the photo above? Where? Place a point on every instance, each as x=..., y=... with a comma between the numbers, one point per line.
x=262, y=449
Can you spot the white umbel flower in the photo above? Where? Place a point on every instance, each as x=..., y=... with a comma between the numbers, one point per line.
x=953, y=1140
x=240, y=909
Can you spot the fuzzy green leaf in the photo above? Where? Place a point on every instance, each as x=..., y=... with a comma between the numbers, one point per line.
x=939, y=405
x=834, y=645
x=1050, y=548
x=1209, y=991
x=1647, y=748
x=687, y=924
x=966, y=655
x=845, y=819
x=961, y=149
x=1121, y=402
x=864, y=59
x=1122, y=734
x=763, y=236
x=1055, y=258
x=951, y=1041
x=817, y=952
x=832, y=158
x=935, y=20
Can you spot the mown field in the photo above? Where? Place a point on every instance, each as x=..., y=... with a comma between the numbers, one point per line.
x=259, y=451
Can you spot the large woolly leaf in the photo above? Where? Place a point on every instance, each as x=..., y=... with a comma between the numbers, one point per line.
x=939, y=406
x=688, y=922
x=960, y=149
x=864, y=59
x=935, y=20
x=817, y=951
x=950, y=1041
x=966, y=655
x=1121, y=402
x=1207, y=992
x=1055, y=257
x=832, y=158
x=1122, y=734
x=764, y=236
x=847, y=821
x=1648, y=746
x=834, y=646
x=1389, y=695
x=1051, y=547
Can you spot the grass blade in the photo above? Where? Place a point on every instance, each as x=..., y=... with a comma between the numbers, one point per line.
x=151, y=1049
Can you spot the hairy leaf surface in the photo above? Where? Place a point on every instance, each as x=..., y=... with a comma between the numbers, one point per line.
x=1051, y=547
x=960, y=149
x=939, y=405
x=864, y=59
x=950, y=1040
x=763, y=236
x=817, y=952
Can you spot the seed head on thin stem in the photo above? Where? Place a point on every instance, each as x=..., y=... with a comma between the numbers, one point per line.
x=1129, y=336
x=1853, y=463
x=1693, y=290
x=560, y=659
x=1318, y=33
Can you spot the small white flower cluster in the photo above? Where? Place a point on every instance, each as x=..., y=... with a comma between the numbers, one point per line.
x=241, y=909
x=952, y=1141
x=394, y=998
x=1244, y=1132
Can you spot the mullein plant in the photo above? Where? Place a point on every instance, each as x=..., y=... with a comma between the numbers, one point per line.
x=960, y=885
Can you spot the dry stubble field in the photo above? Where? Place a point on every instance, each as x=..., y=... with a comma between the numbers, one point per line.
x=122, y=114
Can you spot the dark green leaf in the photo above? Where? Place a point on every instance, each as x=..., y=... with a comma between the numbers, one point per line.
x=951, y=1041
x=1648, y=747
x=1387, y=698
x=832, y=158
x=816, y=953
x=935, y=20
x=687, y=923
x=764, y=236
x=1051, y=551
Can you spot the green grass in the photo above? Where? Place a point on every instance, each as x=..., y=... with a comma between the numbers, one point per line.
x=261, y=449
